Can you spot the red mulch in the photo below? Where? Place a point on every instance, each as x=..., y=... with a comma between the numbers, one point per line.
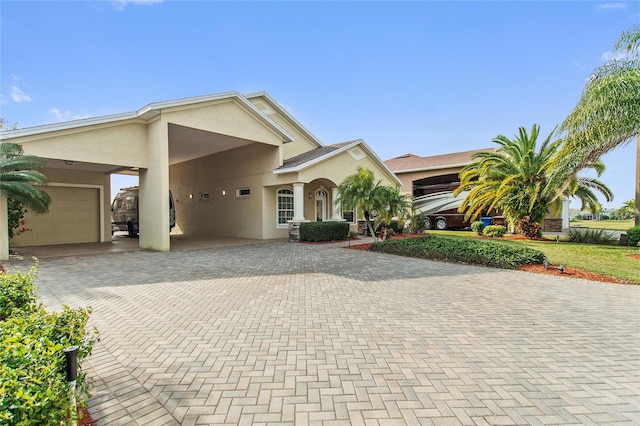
x=86, y=419
x=539, y=269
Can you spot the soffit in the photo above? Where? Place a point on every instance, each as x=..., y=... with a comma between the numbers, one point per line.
x=186, y=143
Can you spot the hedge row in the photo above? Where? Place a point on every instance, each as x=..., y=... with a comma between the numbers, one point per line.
x=33, y=387
x=323, y=231
x=633, y=236
x=471, y=251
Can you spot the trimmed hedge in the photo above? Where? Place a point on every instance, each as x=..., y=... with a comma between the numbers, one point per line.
x=477, y=227
x=633, y=236
x=323, y=231
x=494, y=231
x=33, y=387
x=470, y=251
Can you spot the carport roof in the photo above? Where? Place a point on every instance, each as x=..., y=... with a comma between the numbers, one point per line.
x=147, y=113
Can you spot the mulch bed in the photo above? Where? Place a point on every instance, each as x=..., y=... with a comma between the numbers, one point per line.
x=539, y=269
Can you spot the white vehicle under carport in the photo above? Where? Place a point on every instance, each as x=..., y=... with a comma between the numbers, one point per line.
x=124, y=211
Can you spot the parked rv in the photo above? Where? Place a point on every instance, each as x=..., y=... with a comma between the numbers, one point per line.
x=124, y=211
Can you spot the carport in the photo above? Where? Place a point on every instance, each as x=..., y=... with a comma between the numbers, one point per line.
x=81, y=155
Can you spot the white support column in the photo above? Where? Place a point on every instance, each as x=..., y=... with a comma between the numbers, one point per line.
x=153, y=200
x=4, y=229
x=298, y=202
x=336, y=208
x=565, y=214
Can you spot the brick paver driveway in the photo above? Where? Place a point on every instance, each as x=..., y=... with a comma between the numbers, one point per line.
x=279, y=333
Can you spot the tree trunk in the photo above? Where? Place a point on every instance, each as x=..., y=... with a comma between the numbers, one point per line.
x=637, y=215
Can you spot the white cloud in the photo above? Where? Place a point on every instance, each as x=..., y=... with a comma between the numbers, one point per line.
x=617, y=56
x=66, y=115
x=19, y=96
x=606, y=6
x=122, y=4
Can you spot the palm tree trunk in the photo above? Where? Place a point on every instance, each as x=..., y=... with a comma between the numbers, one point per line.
x=638, y=182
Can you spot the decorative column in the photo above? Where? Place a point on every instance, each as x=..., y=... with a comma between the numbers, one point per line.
x=298, y=212
x=298, y=202
x=565, y=214
x=336, y=208
x=4, y=229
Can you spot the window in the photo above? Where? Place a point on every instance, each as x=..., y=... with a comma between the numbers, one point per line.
x=348, y=215
x=243, y=192
x=285, y=206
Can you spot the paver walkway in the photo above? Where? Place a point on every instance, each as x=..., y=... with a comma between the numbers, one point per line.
x=280, y=333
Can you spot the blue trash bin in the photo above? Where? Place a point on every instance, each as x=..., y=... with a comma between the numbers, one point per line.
x=486, y=220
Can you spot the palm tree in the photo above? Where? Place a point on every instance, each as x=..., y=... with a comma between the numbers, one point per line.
x=358, y=192
x=628, y=210
x=582, y=188
x=19, y=174
x=608, y=112
x=392, y=204
x=519, y=179
x=511, y=179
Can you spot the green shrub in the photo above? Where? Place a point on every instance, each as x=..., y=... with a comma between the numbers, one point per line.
x=633, y=236
x=323, y=231
x=33, y=387
x=529, y=229
x=591, y=236
x=420, y=223
x=477, y=227
x=471, y=251
x=17, y=293
x=494, y=231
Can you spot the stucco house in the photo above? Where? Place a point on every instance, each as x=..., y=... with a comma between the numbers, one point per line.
x=238, y=165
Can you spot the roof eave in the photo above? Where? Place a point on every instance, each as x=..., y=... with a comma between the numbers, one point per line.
x=422, y=169
x=283, y=112
x=147, y=113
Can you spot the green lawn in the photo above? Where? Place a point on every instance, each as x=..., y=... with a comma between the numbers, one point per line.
x=613, y=225
x=607, y=260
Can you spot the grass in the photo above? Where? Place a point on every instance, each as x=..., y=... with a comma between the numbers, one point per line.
x=606, y=260
x=612, y=225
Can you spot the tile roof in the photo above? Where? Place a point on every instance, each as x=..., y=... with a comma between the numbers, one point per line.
x=312, y=155
x=412, y=161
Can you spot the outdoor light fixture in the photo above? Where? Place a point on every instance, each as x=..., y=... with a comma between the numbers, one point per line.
x=310, y=195
x=68, y=162
x=224, y=193
x=190, y=196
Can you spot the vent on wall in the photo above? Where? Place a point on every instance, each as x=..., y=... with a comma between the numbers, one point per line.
x=264, y=108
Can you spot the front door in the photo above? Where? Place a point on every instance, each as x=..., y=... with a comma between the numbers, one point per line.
x=321, y=206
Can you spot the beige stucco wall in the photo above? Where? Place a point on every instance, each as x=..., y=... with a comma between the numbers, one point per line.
x=223, y=215
x=225, y=116
x=124, y=144
x=81, y=179
x=301, y=143
x=342, y=165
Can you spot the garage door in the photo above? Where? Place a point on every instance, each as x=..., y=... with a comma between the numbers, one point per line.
x=74, y=217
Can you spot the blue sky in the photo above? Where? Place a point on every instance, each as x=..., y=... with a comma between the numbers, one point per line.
x=422, y=77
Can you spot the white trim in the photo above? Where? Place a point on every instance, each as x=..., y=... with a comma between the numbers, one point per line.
x=340, y=150
x=284, y=113
x=290, y=188
x=247, y=188
x=151, y=111
x=82, y=185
